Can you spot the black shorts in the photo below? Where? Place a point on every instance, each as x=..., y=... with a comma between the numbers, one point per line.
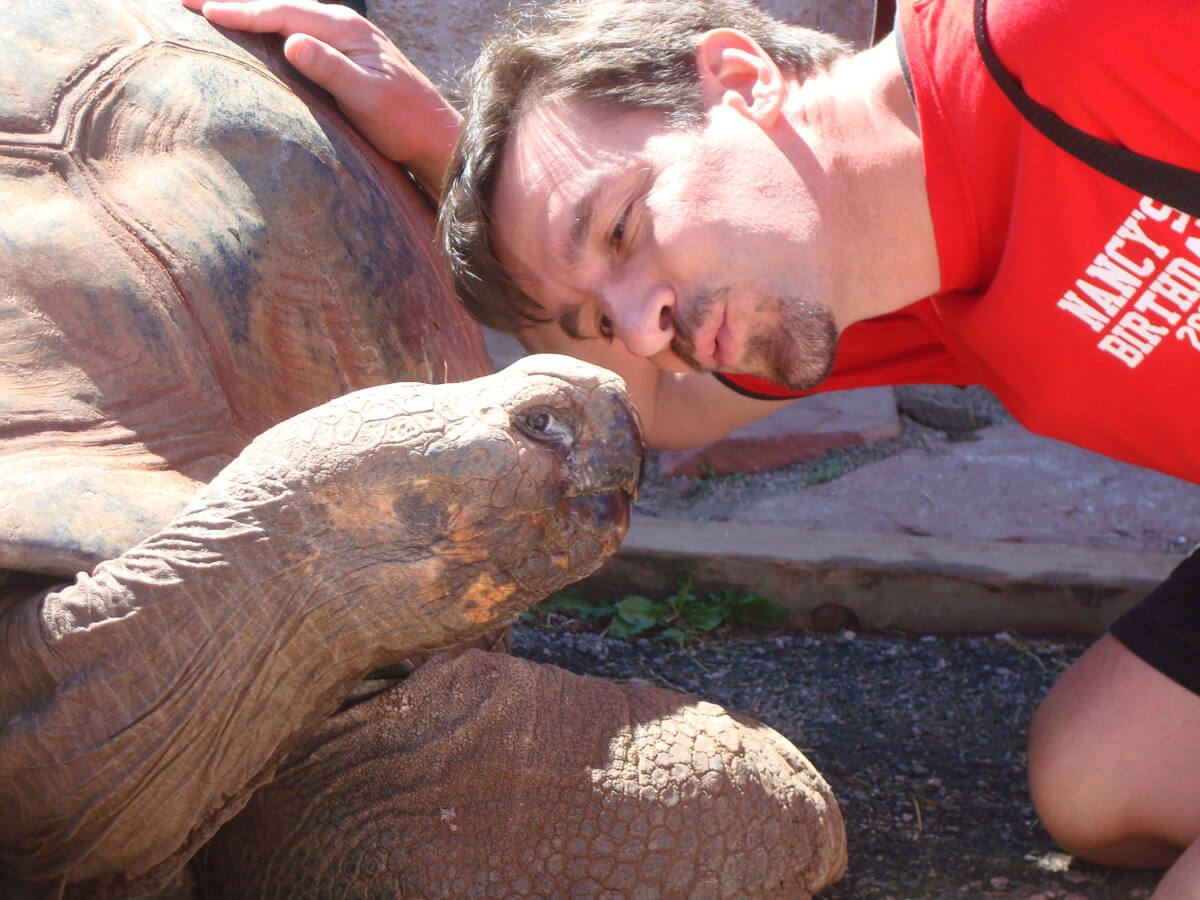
x=1164, y=629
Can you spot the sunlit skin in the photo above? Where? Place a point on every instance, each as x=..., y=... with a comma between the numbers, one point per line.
x=730, y=245
x=634, y=234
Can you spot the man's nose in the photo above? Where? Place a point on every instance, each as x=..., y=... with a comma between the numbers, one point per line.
x=645, y=320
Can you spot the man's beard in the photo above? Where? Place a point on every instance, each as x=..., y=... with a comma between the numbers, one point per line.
x=796, y=350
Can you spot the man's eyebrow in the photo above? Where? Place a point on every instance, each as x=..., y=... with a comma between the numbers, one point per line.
x=581, y=222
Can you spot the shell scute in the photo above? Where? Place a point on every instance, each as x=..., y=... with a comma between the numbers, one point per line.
x=196, y=246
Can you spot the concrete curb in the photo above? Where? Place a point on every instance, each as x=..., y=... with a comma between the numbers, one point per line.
x=880, y=582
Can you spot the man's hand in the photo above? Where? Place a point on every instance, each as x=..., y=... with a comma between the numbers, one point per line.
x=388, y=99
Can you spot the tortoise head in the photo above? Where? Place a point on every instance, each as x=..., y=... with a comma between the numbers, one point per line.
x=544, y=460
x=488, y=494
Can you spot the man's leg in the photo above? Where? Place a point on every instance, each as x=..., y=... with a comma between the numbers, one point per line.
x=1114, y=765
x=1180, y=882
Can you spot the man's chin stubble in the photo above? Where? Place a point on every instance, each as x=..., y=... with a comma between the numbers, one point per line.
x=800, y=354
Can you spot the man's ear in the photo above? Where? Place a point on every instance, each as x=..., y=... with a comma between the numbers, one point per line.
x=735, y=71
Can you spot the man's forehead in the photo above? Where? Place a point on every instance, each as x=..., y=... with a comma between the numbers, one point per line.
x=558, y=139
x=551, y=173
x=556, y=172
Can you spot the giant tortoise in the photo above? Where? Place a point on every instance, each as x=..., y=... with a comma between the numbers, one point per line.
x=230, y=492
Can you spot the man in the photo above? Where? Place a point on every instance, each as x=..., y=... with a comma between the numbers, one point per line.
x=677, y=189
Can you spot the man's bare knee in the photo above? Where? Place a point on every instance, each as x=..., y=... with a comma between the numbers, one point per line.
x=1058, y=780
x=1085, y=777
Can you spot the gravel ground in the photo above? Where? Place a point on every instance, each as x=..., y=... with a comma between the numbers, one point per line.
x=922, y=740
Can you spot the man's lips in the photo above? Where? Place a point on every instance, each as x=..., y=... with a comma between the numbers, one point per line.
x=712, y=347
x=723, y=350
x=708, y=345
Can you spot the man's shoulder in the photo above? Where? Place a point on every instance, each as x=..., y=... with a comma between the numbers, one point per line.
x=1063, y=36
x=1120, y=71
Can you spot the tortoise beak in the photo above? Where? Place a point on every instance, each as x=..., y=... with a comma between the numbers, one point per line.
x=611, y=457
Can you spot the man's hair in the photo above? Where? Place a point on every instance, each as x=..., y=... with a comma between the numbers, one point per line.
x=631, y=54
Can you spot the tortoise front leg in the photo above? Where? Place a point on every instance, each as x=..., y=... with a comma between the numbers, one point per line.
x=487, y=775
x=64, y=516
x=142, y=704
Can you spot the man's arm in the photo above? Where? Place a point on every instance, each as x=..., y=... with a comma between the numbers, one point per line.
x=679, y=409
x=392, y=103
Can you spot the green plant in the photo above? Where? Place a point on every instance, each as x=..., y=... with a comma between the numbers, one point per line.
x=573, y=604
x=825, y=470
x=679, y=618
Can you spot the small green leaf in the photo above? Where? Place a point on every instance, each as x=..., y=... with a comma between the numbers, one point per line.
x=623, y=628
x=703, y=616
x=750, y=609
x=638, y=613
x=674, y=636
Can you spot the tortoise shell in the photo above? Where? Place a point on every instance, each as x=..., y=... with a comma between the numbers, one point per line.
x=194, y=246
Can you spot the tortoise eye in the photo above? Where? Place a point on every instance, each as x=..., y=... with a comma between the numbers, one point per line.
x=543, y=425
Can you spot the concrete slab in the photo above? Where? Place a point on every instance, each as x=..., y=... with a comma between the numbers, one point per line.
x=1009, y=532
x=1009, y=485
x=831, y=580
x=799, y=430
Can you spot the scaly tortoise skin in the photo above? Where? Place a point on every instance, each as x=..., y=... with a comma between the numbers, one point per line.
x=485, y=775
x=205, y=274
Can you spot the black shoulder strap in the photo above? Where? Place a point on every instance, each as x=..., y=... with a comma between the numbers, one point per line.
x=884, y=19
x=1163, y=181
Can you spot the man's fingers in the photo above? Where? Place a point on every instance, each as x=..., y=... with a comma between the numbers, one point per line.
x=390, y=102
x=331, y=23
x=324, y=65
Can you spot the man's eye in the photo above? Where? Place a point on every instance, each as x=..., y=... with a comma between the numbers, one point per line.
x=618, y=232
x=604, y=326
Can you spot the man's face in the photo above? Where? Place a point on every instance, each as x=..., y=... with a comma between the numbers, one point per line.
x=699, y=245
